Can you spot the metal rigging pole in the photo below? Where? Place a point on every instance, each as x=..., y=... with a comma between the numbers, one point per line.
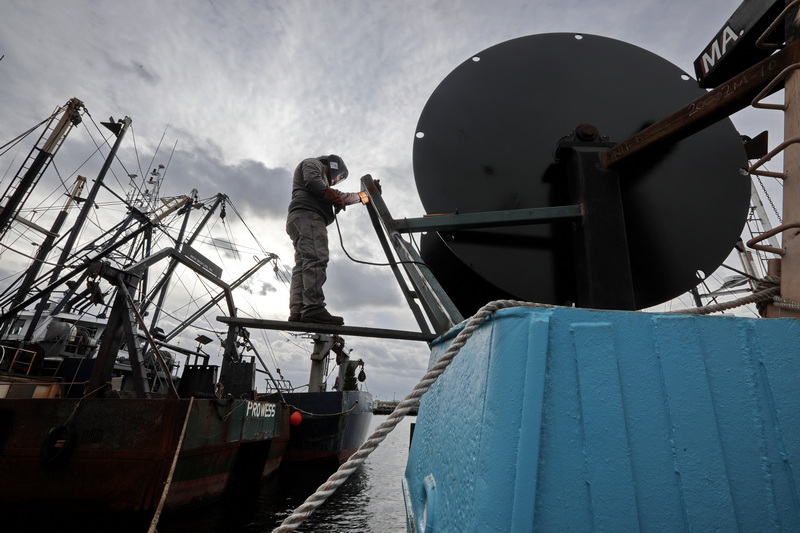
x=119, y=130
x=20, y=187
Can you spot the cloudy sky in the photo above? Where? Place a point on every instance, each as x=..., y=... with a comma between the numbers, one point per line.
x=238, y=92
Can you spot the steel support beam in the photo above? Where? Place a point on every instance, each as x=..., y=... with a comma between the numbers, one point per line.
x=600, y=243
x=489, y=219
x=730, y=97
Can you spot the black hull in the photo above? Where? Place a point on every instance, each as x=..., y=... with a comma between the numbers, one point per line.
x=334, y=424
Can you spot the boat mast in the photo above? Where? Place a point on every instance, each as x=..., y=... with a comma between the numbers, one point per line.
x=44, y=249
x=20, y=187
x=161, y=286
x=119, y=128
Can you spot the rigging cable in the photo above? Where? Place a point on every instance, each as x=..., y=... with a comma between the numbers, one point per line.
x=10, y=165
x=16, y=140
x=241, y=219
x=136, y=154
x=32, y=258
x=280, y=274
x=96, y=151
x=194, y=299
x=158, y=147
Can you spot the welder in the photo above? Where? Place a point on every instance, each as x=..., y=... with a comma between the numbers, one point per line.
x=313, y=207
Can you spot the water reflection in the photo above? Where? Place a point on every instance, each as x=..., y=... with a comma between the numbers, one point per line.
x=369, y=501
x=263, y=508
x=343, y=511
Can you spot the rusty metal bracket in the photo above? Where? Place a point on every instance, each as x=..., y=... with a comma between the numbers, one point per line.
x=753, y=169
x=753, y=243
x=772, y=87
x=760, y=41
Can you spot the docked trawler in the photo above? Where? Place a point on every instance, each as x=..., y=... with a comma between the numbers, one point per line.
x=93, y=413
x=329, y=425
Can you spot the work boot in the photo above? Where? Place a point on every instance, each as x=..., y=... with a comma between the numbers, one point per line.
x=294, y=317
x=323, y=317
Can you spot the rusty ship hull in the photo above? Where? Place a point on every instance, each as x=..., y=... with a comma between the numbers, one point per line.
x=116, y=454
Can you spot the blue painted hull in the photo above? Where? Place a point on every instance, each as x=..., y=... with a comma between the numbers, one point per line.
x=570, y=419
x=338, y=426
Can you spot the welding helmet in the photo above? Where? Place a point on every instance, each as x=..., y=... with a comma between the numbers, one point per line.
x=338, y=170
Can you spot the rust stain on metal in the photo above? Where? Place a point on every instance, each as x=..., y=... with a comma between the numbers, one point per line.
x=123, y=449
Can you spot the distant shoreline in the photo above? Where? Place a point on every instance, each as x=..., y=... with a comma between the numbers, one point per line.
x=385, y=408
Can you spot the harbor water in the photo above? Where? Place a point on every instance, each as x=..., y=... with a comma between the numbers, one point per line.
x=370, y=501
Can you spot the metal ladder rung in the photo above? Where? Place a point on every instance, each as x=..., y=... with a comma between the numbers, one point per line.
x=24, y=359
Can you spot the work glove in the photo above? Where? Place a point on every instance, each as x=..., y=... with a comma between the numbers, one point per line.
x=332, y=198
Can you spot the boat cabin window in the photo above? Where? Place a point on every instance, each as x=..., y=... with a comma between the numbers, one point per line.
x=16, y=328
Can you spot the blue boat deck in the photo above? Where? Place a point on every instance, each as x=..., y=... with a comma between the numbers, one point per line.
x=570, y=419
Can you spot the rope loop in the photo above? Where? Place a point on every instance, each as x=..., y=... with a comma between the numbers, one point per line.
x=767, y=288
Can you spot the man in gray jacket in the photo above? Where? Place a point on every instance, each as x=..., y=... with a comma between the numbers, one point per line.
x=313, y=207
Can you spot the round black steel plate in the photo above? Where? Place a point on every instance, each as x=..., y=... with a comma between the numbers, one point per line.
x=486, y=140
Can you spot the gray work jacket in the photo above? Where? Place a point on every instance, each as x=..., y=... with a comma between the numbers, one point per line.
x=308, y=187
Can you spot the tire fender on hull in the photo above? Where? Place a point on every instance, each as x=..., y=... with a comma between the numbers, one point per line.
x=58, y=445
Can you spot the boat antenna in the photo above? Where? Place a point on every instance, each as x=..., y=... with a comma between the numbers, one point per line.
x=158, y=147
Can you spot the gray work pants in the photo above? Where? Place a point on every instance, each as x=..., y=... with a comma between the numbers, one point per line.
x=310, y=238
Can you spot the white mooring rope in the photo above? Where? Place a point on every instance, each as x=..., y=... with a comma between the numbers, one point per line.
x=767, y=295
x=293, y=521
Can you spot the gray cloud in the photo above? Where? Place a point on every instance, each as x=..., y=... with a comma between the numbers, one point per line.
x=250, y=90
x=255, y=189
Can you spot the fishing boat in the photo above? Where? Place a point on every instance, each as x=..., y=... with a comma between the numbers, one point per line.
x=95, y=412
x=328, y=426
x=609, y=183
x=328, y=422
